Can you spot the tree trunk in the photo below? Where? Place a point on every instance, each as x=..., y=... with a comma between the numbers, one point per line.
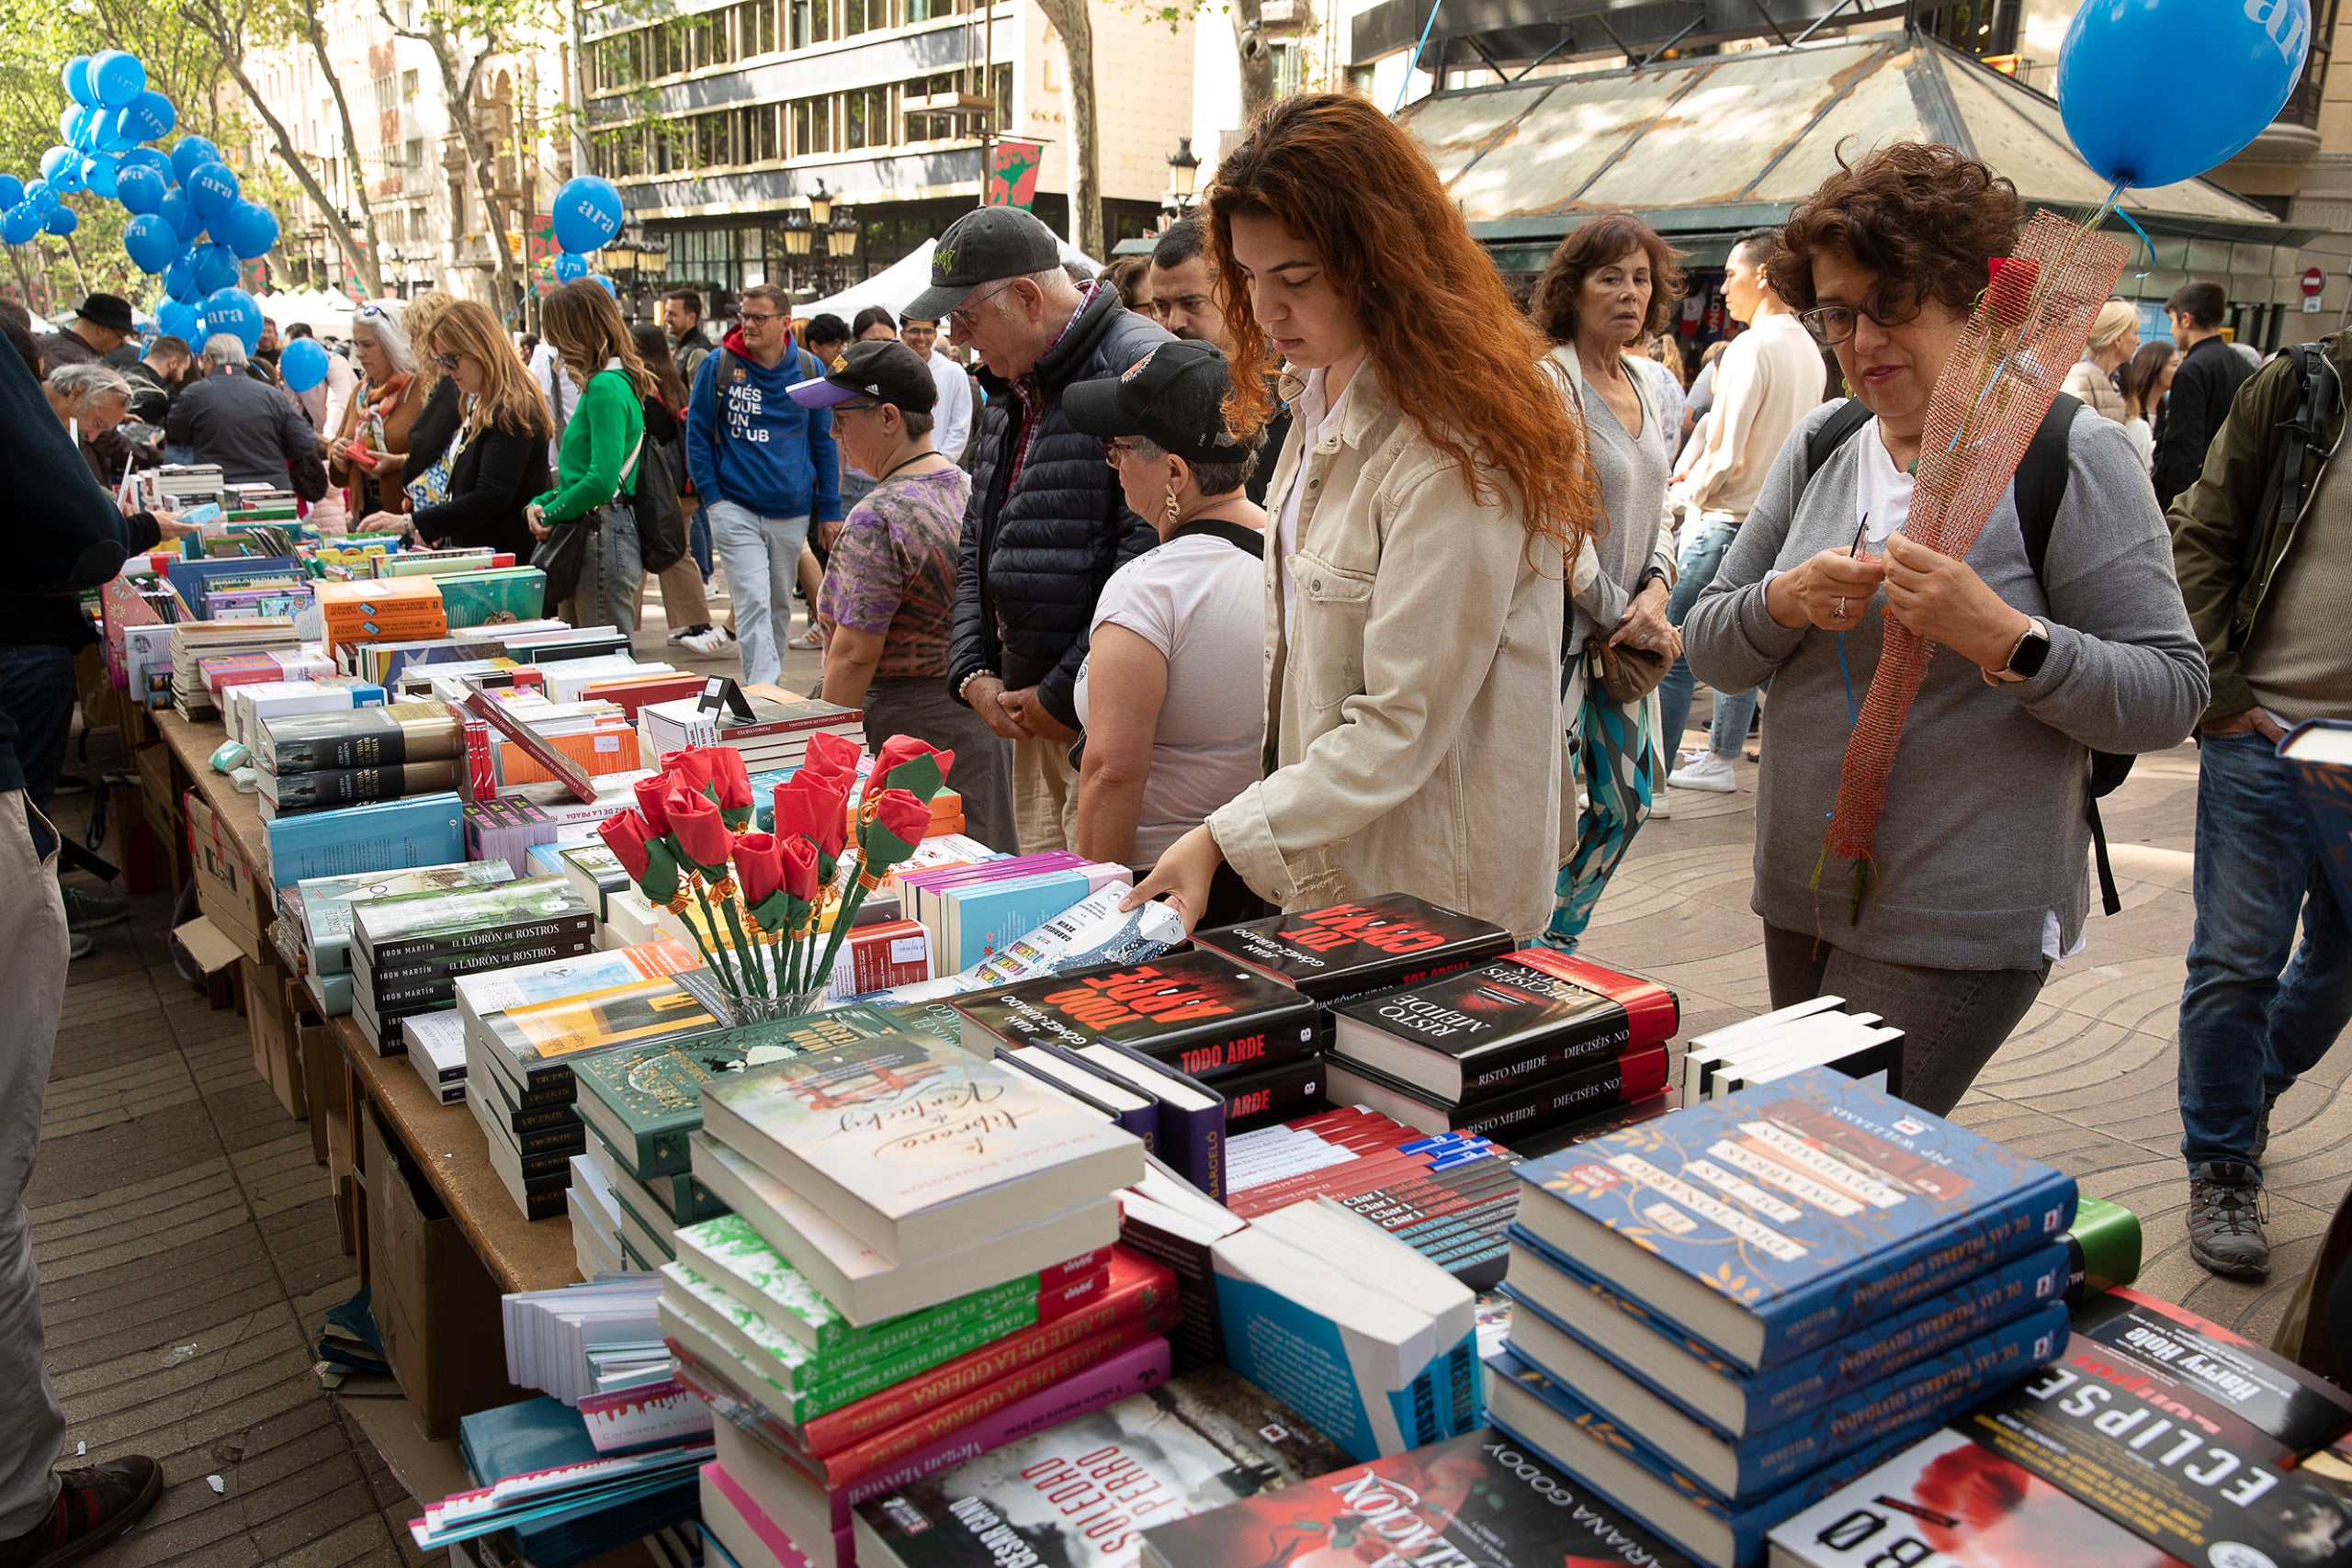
x=482, y=157
x=216, y=22
x=371, y=273
x=1072, y=20
x=1256, y=60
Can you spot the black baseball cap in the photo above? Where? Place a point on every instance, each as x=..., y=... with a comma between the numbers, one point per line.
x=1138, y=403
x=985, y=244
x=884, y=369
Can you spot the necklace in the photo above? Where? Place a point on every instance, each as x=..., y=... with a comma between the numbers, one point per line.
x=908, y=463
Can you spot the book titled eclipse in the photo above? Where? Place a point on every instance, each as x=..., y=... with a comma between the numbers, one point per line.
x=1199, y=1013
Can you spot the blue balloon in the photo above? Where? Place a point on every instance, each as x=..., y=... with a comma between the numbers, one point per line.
x=150, y=243
x=22, y=223
x=145, y=117
x=568, y=266
x=64, y=221
x=587, y=213
x=139, y=188
x=180, y=278
x=12, y=192
x=250, y=230
x=99, y=171
x=182, y=320
x=148, y=158
x=215, y=266
x=77, y=80
x=55, y=159
x=74, y=122
x=185, y=222
x=189, y=154
x=68, y=177
x=234, y=312
x=117, y=77
x=610, y=286
x=2248, y=54
x=40, y=194
x=302, y=365
x=213, y=187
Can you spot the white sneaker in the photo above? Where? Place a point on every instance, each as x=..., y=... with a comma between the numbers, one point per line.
x=1708, y=772
x=1662, y=806
x=710, y=641
x=677, y=637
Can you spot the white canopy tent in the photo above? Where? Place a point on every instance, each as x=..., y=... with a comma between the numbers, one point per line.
x=901, y=281
x=328, y=311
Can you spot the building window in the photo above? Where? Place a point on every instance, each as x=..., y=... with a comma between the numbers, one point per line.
x=408, y=86
x=1286, y=63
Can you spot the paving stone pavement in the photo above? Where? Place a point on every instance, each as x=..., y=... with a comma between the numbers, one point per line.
x=189, y=1249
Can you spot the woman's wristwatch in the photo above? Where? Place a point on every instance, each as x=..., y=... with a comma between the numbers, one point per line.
x=2026, y=659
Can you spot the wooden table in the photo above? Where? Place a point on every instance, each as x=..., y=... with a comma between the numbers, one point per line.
x=446, y=1144
x=192, y=745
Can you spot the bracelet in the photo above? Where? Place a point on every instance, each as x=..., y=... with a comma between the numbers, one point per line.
x=967, y=681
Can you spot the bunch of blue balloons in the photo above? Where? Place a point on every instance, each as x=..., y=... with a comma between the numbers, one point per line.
x=190, y=221
x=587, y=215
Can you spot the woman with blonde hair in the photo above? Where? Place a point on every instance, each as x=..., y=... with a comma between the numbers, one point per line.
x=424, y=470
x=499, y=457
x=2114, y=339
x=1429, y=495
x=595, y=462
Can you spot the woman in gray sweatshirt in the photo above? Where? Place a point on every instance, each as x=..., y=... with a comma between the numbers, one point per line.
x=1978, y=876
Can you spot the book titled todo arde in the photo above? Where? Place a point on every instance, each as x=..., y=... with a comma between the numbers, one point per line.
x=919, y=1147
x=1199, y=1013
x=1346, y=951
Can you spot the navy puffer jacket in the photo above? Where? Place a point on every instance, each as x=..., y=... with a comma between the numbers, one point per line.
x=1032, y=563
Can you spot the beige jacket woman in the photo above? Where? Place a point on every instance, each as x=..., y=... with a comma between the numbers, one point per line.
x=1413, y=732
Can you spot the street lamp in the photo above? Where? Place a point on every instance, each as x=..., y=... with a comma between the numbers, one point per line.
x=820, y=205
x=1183, y=170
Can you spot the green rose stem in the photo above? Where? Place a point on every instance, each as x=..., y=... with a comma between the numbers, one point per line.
x=725, y=967
x=754, y=974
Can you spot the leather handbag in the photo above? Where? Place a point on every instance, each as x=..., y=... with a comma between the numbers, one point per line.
x=1627, y=674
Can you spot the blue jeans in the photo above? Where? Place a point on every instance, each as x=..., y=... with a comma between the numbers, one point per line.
x=2250, y=1017
x=37, y=693
x=1703, y=548
x=762, y=556
x=698, y=542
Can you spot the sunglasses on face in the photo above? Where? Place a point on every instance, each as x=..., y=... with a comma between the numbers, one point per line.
x=449, y=362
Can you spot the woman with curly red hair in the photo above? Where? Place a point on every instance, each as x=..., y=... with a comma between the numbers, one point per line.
x=1424, y=507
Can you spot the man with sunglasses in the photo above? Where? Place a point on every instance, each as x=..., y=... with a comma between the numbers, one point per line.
x=764, y=467
x=1046, y=524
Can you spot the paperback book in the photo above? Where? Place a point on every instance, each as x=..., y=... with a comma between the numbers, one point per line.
x=1199, y=1013
x=1346, y=951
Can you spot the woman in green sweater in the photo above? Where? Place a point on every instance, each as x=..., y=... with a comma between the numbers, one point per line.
x=597, y=458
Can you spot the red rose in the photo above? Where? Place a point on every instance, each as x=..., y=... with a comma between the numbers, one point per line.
x=800, y=878
x=732, y=785
x=642, y=854
x=649, y=801
x=832, y=757
x=693, y=764
x=759, y=866
x=694, y=822
x=2009, y=295
x=919, y=780
x=900, y=822
x=812, y=806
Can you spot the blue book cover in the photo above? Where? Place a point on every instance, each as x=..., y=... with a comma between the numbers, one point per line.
x=1540, y=1414
x=1778, y=1219
x=539, y=1434
x=1739, y=1403
x=979, y=920
x=189, y=577
x=421, y=830
x=2318, y=754
x=1734, y=1469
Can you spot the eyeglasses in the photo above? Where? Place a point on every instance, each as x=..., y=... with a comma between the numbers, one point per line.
x=1116, y=451
x=866, y=406
x=449, y=362
x=757, y=318
x=1893, y=306
x=960, y=318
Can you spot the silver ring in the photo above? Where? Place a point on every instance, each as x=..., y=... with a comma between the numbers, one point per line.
x=1838, y=611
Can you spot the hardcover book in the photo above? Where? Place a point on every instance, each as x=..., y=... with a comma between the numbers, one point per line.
x=418, y=829
x=324, y=906
x=1484, y=1032
x=1199, y=1013
x=1783, y=1217
x=1080, y=1494
x=1346, y=951
x=540, y=1040
x=920, y=1148
x=292, y=793
x=1524, y=1108
x=421, y=926
x=1480, y=1500
x=363, y=737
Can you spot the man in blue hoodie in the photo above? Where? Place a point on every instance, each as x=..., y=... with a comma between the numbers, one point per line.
x=764, y=466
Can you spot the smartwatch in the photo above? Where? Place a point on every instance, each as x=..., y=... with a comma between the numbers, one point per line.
x=2026, y=659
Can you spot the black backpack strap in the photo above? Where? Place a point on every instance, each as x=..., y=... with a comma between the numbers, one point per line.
x=2041, y=479
x=1831, y=433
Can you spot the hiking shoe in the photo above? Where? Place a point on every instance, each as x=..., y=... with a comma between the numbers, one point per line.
x=92, y=1507
x=1710, y=773
x=2262, y=1128
x=2225, y=1220
x=88, y=911
x=709, y=640
x=79, y=944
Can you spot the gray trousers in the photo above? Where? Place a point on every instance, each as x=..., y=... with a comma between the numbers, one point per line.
x=32, y=988
x=920, y=705
x=1952, y=1020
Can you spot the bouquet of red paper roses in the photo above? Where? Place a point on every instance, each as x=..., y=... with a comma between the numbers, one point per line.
x=687, y=847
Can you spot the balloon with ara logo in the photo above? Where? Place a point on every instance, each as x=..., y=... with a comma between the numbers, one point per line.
x=587, y=213
x=150, y=243
x=2248, y=55
x=566, y=266
x=234, y=312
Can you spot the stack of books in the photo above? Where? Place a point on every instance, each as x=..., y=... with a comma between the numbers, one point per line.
x=1723, y=1315
x=435, y=1043
x=1346, y=952
x=591, y=734
x=323, y=761
x=1514, y=1047
x=385, y=835
x=512, y=826
x=498, y=595
x=974, y=911
x=919, y=1268
x=556, y=642
x=400, y=609
x=318, y=913
x=581, y=1340
x=775, y=735
x=541, y=1474
x=1816, y=1034
x=192, y=641
x=526, y=1028
x=1215, y=1048
x=407, y=952
x=2158, y=1438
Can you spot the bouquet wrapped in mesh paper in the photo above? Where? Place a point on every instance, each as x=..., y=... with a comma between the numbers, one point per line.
x=2027, y=329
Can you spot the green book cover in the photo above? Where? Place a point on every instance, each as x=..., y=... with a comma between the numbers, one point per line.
x=936, y=1020
x=730, y=1252
x=429, y=924
x=326, y=904
x=494, y=598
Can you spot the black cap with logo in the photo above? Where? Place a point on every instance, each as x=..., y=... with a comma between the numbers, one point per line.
x=1139, y=403
x=883, y=369
x=985, y=244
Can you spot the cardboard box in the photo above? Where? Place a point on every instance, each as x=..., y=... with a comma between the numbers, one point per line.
x=242, y=903
x=272, y=1024
x=436, y=1306
x=216, y=956
x=322, y=1068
